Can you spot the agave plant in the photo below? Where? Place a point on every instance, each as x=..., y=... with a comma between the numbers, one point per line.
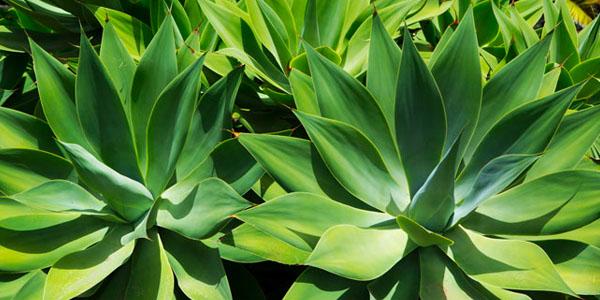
x=136, y=184
x=429, y=181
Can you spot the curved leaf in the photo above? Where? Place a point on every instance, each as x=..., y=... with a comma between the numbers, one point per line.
x=157, y=67
x=343, y=98
x=347, y=251
x=119, y=64
x=292, y=219
x=29, y=168
x=495, y=262
x=169, y=126
x=210, y=121
x=197, y=266
x=420, y=117
x=36, y=249
x=151, y=277
x=202, y=212
x=129, y=198
x=80, y=271
x=355, y=162
x=102, y=115
x=315, y=284
x=307, y=173
x=20, y=130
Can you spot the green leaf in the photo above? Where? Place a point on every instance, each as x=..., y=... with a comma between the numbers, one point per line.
x=587, y=72
x=588, y=41
x=29, y=168
x=20, y=217
x=151, y=276
x=62, y=196
x=570, y=200
x=156, y=69
x=494, y=177
x=574, y=137
x=357, y=48
x=102, y=115
x=355, y=162
x=134, y=33
x=228, y=161
x=341, y=97
x=248, y=238
x=233, y=27
x=549, y=83
x=307, y=173
x=348, y=251
x=462, y=102
x=292, y=219
x=315, y=284
x=169, y=125
x=493, y=261
x=33, y=289
x=576, y=263
x=10, y=284
x=129, y=198
x=20, y=130
x=36, y=249
x=77, y=272
x=310, y=29
x=419, y=112
x=212, y=117
x=587, y=234
x=420, y=235
x=382, y=73
x=300, y=62
x=441, y=278
x=119, y=64
x=56, y=86
x=433, y=204
x=516, y=83
x=201, y=212
x=399, y=283
x=527, y=129
x=197, y=266
x=270, y=30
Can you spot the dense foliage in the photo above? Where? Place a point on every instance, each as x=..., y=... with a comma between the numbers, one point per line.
x=299, y=149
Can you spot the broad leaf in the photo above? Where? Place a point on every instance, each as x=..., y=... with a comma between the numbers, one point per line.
x=20, y=130
x=80, y=271
x=493, y=261
x=575, y=135
x=516, y=83
x=212, y=117
x=201, y=212
x=400, y=282
x=29, y=168
x=119, y=64
x=36, y=249
x=102, y=115
x=56, y=87
x=420, y=117
x=570, y=200
x=129, y=198
x=292, y=219
x=306, y=173
x=343, y=98
x=151, y=277
x=347, y=251
x=157, y=67
x=355, y=162
x=315, y=284
x=197, y=266
x=169, y=125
